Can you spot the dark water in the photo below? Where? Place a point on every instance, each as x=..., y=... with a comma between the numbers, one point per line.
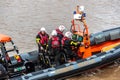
x=22, y=19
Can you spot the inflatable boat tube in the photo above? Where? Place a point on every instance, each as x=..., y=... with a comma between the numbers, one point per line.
x=107, y=35
x=72, y=68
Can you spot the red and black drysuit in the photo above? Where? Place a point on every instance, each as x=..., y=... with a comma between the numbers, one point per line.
x=59, y=34
x=42, y=40
x=54, y=48
x=67, y=44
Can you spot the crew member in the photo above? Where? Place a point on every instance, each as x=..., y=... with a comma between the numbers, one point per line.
x=42, y=39
x=54, y=46
x=60, y=31
x=67, y=44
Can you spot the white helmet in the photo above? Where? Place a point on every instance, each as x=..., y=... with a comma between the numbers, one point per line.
x=68, y=34
x=61, y=28
x=54, y=33
x=77, y=16
x=81, y=8
x=43, y=29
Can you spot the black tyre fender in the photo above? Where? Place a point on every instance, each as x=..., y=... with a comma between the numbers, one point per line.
x=30, y=66
x=3, y=72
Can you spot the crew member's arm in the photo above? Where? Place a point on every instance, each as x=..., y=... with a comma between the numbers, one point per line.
x=74, y=43
x=37, y=39
x=47, y=35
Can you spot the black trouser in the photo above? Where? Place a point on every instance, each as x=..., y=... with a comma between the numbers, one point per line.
x=42, y=55
x=70, y=54
x=55, y=52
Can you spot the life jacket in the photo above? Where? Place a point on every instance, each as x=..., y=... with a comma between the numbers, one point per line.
x=63, y=40
x=55, y=42
x=59, y=32
x=43, y=39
